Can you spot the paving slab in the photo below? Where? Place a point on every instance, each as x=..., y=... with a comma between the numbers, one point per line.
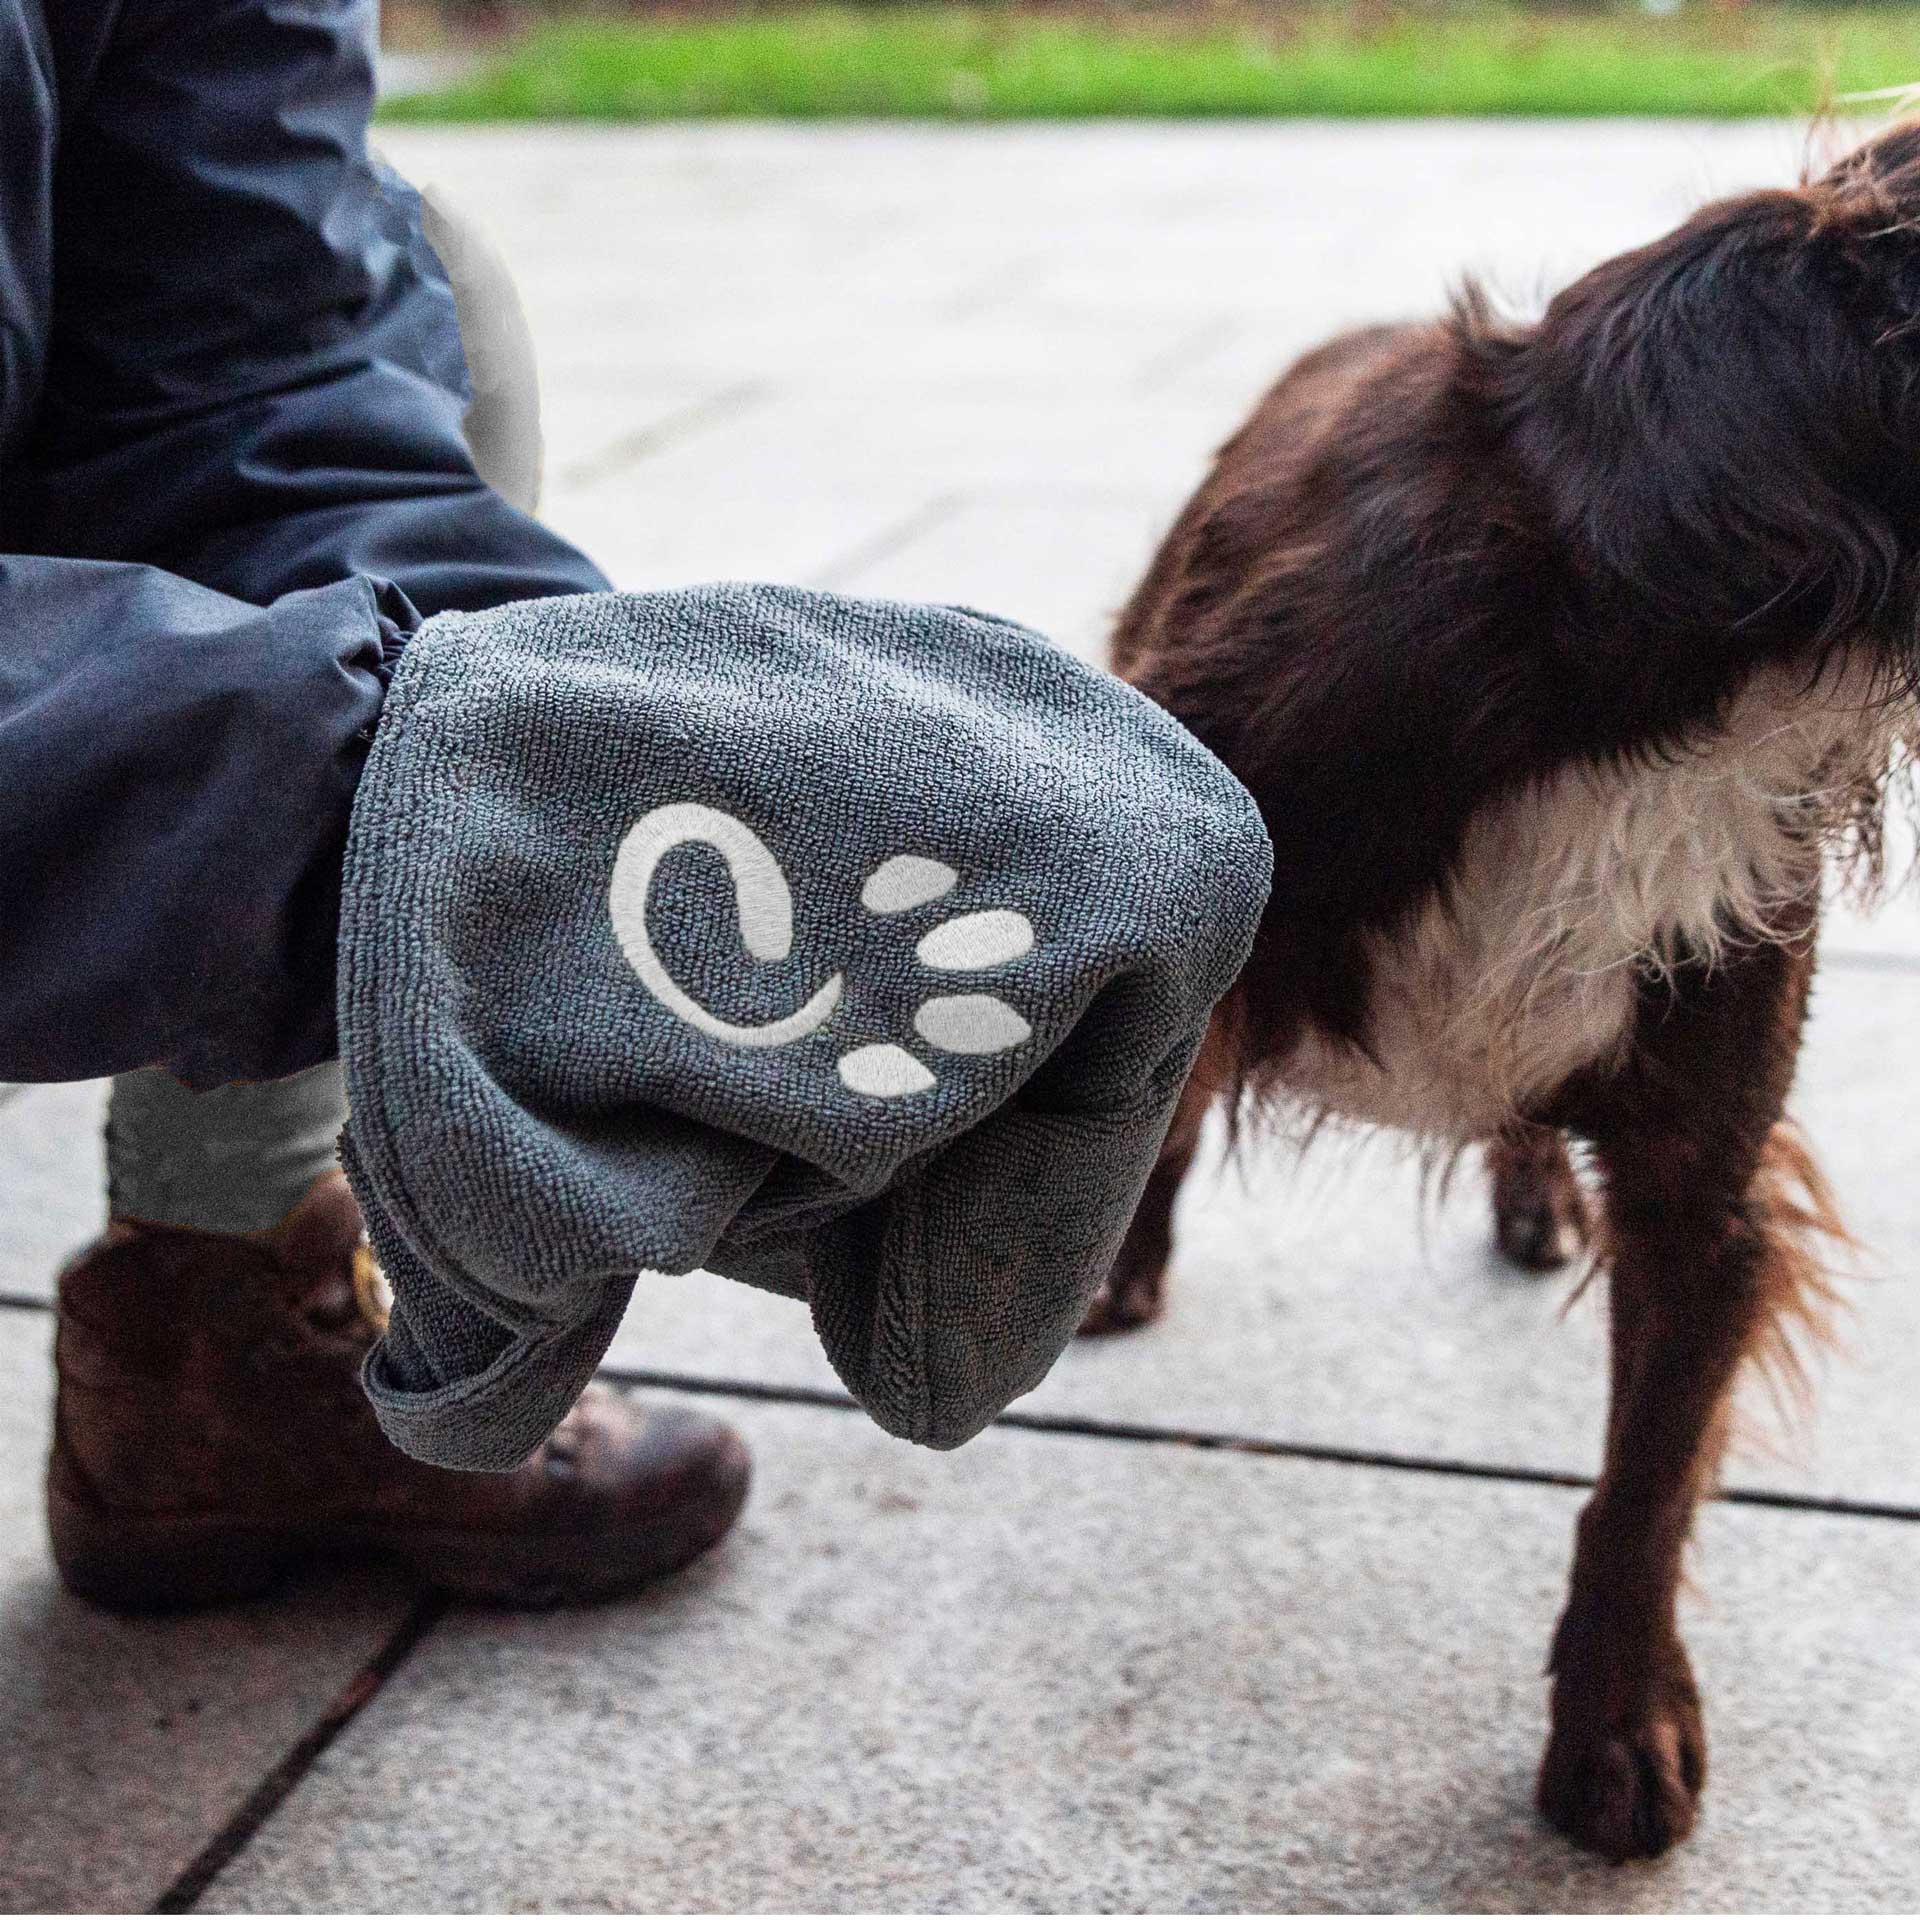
x=734, y=526
x=1052, y=1674
x=887, y=342
x=1061, y=561
x=1322, y=1303
x=602, y=417
x=727, y=240
x=423, y=72
x=966, y=443
x=126, y=1745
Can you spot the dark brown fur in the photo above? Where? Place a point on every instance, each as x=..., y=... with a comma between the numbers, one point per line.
x=1442, y=562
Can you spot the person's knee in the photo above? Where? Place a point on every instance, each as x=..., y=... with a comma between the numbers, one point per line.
x=503, y=421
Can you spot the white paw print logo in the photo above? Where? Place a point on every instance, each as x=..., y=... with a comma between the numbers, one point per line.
x=957, y=1023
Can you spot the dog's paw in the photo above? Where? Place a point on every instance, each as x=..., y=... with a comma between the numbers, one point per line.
x=1540, y=1231
x=1130, y=1296
x=1626, y=1790
x=1540, y=1217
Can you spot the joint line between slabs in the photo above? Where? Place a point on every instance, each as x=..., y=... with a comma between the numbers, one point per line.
x=845, y=571
x=681, y=424
x=1201, y=1440
x=253, y=1813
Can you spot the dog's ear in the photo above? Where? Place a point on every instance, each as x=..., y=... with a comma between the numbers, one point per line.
x=1721, y=424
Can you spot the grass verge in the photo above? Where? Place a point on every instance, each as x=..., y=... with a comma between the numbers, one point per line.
x=964, y=64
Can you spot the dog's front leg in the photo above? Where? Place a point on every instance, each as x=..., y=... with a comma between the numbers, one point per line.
x=1706, y=1255
x=1135, y=1290
x=1133, y=1293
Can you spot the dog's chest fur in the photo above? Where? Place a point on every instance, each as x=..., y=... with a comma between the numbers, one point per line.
x=1525, y=969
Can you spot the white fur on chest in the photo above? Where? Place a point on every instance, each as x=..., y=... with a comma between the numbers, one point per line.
x=1564, y=895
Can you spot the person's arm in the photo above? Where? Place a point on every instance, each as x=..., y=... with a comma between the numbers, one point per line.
x=254, y=388
x=256, y=379
x=176, y=772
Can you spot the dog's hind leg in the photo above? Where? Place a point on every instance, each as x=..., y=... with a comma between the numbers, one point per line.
x=1134, y=1291
x=1709, y=1199
x=1539, y=1212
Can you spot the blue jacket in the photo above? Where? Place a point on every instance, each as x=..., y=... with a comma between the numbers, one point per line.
x=232, y=480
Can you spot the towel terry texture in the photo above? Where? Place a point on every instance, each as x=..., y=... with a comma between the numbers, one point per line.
x=849, y=949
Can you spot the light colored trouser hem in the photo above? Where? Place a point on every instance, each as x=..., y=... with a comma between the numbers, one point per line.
x=235, y=1160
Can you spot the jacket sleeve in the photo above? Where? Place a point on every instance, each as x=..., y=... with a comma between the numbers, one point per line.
x=255, y=378
x=176, y=773
x=246, y=473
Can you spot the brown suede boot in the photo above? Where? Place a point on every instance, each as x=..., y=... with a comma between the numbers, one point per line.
x=210, y=1434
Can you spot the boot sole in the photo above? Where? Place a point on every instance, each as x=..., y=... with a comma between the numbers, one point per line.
x=133, y=1563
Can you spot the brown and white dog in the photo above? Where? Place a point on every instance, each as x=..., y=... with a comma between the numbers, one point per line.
x=1562, y=658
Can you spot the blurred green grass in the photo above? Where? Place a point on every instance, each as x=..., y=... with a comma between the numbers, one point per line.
x=965, y=64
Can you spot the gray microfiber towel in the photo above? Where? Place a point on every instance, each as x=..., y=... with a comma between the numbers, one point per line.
x=852, y=950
